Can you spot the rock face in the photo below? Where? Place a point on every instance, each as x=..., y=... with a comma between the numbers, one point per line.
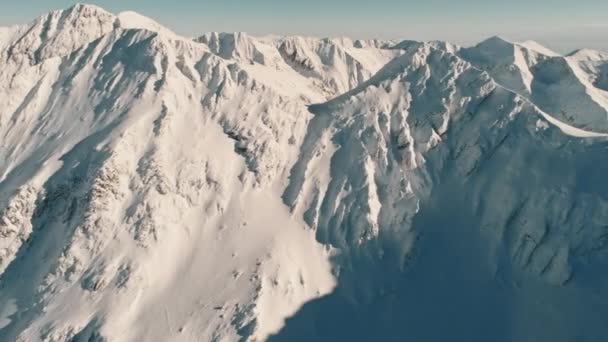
x=159, y=188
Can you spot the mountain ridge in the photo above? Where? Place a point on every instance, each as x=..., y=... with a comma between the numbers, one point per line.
x=224, y=187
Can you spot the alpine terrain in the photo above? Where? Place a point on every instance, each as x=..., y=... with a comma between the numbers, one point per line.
x=226, y=187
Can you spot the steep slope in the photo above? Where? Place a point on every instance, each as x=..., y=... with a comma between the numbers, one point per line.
x=449, y=224
x=536, y=46
x=7, y=34
x=508, y=63
x=33, y=53
x=59, y=33
x=158, y=188
x=131, y=177
x=595, y=66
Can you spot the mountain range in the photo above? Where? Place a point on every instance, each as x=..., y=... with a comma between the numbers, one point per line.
x=226, y=187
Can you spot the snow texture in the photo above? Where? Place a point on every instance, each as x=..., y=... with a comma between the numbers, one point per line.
x=228, y=187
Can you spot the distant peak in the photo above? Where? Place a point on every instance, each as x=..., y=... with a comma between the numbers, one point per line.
x=82, y=6
x=495, y=40
x=77, y=11
x=407, y=44
x=86, y=9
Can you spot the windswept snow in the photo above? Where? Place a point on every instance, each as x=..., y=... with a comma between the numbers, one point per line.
x=232, y=187
x=535, y=46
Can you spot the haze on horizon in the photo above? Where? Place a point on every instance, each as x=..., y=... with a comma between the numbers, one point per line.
x=559, y=24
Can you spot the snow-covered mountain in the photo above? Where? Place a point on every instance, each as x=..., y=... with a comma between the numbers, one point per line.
x=155, y=187
x=569, y=88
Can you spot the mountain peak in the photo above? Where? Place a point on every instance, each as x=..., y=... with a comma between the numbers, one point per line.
x=495, y=41
x=83, y=7
x=134, y=20
x=76, y=12
x=60, y=32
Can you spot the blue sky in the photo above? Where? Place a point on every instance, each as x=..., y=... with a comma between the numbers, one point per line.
x=560, y=24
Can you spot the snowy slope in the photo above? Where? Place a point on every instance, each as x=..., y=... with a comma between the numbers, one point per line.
x=230, y=187
x=594, y=64
x=326, y=67
x=535, y=46
x=441, y=198
x=122, y=210
x=556, y=84
x=134, y=20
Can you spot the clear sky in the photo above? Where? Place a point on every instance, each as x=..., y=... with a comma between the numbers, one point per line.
x=559, y=24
